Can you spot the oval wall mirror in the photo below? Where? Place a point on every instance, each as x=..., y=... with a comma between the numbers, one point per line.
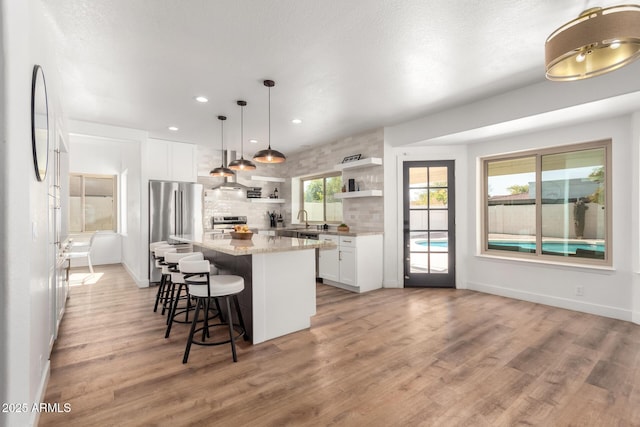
x=39, y=123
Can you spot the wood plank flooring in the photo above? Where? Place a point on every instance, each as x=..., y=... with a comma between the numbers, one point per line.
x=392, y=357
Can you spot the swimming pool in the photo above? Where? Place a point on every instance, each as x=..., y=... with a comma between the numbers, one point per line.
x=555, y=247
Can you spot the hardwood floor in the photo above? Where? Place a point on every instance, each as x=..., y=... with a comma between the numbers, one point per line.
x=392, y=357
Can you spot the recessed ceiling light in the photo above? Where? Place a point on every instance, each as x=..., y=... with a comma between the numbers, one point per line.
x=173, y=128
x=253, y=141
x=202, y=99
x=296, y=121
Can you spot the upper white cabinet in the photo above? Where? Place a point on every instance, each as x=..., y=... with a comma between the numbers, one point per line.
x=171, y=161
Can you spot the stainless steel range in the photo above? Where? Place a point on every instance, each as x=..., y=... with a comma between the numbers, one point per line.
x=224, y=224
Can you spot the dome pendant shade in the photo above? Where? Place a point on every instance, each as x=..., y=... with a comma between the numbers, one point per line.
x=222, y=171
x=269, y=155
x=600, y=40
x=242, y=164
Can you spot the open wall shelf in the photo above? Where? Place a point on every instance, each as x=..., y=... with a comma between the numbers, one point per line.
x=354, y=194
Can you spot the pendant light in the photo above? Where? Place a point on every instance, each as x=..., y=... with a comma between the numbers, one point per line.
x=242, y=164
x=222, y=170
x=269, y=155
x=598, y=41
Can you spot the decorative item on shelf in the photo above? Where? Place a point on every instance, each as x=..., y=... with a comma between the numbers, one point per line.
x=242, y=164
x=598, y=41
x=343, y=227
x=351, y=158
x=254, y=192
x=222, y=170
x=344, y=188
x=352, y=184
x=269, y=155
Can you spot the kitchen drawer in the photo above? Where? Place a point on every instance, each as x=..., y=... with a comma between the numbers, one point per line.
x=349, y=241
x=330, y=238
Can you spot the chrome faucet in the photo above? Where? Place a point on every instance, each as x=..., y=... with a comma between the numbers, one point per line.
x=305, y=216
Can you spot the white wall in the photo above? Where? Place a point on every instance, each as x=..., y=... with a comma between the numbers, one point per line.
x=26, y=302
x=605, y=292
x=110, y=150
x=100, y=156
x=393, y=207
x=635, y=215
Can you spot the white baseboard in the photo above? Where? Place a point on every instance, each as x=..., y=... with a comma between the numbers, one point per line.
x=635, y=317
x=570, y=304
x=42, y=390
x=141, y=283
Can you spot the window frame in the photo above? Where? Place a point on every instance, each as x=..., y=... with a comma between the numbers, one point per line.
x=114, y=212
x=538, y=256
x=324, y=177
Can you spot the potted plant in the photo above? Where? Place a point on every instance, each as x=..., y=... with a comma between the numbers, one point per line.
x=343, y=227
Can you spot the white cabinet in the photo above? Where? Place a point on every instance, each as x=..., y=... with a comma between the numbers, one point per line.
x=356, y=263
x=171, y=161
x=328, y=259
x=348, y=264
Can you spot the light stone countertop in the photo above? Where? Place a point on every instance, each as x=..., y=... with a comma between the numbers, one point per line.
x=259, y=244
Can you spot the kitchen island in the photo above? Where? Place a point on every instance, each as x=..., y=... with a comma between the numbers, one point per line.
x=279, y=274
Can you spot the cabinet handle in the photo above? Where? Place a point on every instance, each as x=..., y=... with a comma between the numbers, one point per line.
x=339, y=255
x=347, y=241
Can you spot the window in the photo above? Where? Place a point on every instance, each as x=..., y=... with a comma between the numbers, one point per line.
x=566, y=220
x=317, y=197
x=92, y=205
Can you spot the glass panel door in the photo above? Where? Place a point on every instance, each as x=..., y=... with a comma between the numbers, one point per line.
x=429, y=226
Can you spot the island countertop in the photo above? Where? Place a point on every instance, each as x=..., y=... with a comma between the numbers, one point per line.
x=259, y=244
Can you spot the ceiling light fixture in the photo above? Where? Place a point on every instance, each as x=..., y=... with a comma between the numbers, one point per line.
x=269, y=155
x=242, y=164
x=296, y=121
x=222, y=170
x=173, y=128
x=202, y=99
x=253, y=141
x=598, y=41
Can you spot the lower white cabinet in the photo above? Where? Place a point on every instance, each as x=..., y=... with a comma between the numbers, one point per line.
x=356, y=263
x=328, y=260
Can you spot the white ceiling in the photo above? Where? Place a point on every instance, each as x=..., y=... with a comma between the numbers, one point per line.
x=342, y=66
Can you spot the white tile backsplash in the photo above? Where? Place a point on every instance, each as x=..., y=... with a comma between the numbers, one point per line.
x=363, y=213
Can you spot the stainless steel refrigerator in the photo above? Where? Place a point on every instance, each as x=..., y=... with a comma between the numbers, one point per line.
x=174, y=208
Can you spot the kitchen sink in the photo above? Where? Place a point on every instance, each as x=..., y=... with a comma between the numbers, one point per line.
x=299, y=232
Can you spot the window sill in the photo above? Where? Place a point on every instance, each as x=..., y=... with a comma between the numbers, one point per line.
x=546, y=261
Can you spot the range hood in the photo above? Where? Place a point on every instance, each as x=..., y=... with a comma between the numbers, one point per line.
x=229, y=183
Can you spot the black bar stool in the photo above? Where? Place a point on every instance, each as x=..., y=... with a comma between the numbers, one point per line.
x=180, y=290
x=203, y=286
x=158, y=254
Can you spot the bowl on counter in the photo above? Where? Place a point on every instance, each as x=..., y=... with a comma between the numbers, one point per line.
x=241, y=236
